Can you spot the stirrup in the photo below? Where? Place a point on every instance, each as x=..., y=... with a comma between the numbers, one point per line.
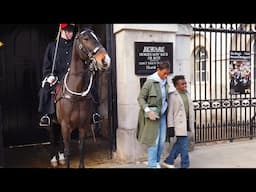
x=45, y=124
x=96, y=118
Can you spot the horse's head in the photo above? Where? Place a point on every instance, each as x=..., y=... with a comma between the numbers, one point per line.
x=91, y=49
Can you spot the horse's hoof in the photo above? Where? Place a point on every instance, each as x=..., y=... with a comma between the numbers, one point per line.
x=54, y=162
x=62, y=162
x=61, y=159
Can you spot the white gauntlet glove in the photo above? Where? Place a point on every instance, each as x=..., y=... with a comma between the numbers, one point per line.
x=50, y=79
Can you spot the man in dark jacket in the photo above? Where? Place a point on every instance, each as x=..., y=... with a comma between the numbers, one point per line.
x=62, y=62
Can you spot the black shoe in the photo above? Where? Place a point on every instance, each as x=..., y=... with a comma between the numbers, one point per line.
x=96, y=118
x=45, y=121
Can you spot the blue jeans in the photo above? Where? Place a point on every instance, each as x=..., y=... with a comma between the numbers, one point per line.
x=154, y=152
x=181, y=146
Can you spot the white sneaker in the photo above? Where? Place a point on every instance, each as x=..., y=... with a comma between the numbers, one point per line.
x=157, y=164
x=169, y=166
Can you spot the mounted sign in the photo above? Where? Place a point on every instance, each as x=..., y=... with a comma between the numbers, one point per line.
x=149, y=54
x=240, y=72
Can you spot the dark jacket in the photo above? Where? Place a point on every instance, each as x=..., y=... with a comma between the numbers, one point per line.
x=63, y=58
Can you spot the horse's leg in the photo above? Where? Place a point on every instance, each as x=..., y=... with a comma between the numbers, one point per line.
x=81, y=147
x=53, y=145
x=66, y=141
x=60, y=146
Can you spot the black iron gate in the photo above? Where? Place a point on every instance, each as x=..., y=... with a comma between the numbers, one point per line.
x=223, y=88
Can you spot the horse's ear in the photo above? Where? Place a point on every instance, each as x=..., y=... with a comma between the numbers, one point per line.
x=77, y=36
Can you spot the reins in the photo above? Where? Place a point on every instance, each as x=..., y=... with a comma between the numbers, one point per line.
x=91, y=61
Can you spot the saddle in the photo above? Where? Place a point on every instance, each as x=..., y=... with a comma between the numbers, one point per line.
x=56, y=91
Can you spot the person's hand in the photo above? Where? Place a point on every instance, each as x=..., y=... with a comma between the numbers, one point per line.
x=152, y=116
x=170, y=131
x=51, y=79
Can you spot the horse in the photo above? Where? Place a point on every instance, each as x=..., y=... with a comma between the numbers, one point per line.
x=74, y=101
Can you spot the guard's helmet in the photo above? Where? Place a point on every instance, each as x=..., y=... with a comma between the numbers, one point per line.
x=67, y=27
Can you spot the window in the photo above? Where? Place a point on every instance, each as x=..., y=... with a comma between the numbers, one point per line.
x=200, y=71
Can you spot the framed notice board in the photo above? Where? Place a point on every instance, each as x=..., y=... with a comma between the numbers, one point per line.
x=240, y=72
x=149, y=54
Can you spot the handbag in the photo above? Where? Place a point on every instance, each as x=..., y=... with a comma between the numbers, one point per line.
x=154, y=109
x=170, y=132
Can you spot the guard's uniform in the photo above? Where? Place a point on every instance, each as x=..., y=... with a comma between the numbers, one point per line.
x=62, y=63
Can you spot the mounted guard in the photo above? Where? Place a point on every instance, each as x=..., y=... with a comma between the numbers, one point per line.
x=56, y=62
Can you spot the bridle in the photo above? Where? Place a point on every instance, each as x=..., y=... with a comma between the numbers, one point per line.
x=90, y=53
x=91, y=61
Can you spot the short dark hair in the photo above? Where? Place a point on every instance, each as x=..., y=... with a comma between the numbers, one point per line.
x=163, y=65
x=177, y=78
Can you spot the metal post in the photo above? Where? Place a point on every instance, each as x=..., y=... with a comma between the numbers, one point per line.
x=112, y=102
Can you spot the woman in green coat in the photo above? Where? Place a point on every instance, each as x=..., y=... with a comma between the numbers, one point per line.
x=152, y=119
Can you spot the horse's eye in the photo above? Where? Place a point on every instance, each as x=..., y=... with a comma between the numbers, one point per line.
x=86, y=39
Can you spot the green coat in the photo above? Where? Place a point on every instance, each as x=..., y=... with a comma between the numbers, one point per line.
x=150, y=95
